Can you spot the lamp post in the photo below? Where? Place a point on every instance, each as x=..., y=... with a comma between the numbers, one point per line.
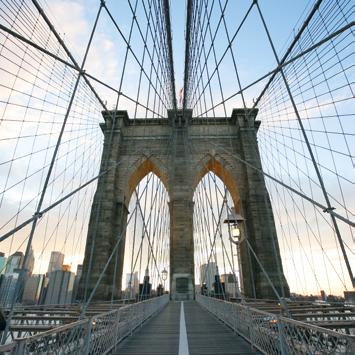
x=164, y=276
x=234, y=220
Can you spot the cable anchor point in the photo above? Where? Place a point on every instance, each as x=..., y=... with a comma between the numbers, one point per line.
x=329, y=209
x=38, y=215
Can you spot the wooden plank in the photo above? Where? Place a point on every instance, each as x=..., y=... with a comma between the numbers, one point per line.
x=207, y=335
x=159, y=336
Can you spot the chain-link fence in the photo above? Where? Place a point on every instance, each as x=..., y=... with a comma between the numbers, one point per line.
x=96, y=335
x=273, y=334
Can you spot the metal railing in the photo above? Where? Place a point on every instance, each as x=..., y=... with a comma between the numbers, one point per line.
x=273, y=334
x=96, y=335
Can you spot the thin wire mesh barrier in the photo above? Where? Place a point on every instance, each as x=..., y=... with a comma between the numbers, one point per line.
x=272, y=334
x=96, y=335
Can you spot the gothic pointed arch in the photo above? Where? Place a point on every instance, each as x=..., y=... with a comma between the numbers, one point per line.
x=216, y=165
x=141, y=169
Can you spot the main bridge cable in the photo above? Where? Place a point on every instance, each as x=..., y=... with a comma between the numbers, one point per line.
x=136, y=58
x=166, y=14
x=85, y=74
x=187, y=51
x=161, y=54
x=222, y=57
x=148, y=31
x=310, y=151
x=166, y=8
x=67, y=51
x=289, y=49
x=198, y=49
x=285, y=64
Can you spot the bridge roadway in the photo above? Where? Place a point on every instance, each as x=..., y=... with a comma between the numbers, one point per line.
x=184, y=328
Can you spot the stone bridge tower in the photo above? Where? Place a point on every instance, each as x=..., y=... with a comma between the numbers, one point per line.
x=180, y=151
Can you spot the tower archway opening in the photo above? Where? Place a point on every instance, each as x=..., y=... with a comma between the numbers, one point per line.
x=216, y=257
x=147, y=246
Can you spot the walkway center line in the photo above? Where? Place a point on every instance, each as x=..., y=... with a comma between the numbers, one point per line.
x=183, y=344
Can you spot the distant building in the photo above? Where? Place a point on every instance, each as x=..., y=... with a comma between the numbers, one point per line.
x=79, y=272
x=349, y=298
x=145, y=288
x=60, y=287
x=7, y=289
x=33, y=288
x=14, y=262
x=66, y=267
x=132, y=284
x=231, y=285
x=2, y=263
x=207, y=274
x=56, y=261
x=30, y=263
x=42, y=296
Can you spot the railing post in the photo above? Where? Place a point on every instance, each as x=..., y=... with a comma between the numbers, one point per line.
x=117, y=329
x=88, y=337
x=281, y=336
x=20, y=347
x=235, y=317
x=250, y=326
x=351, y=340
x=131, y=318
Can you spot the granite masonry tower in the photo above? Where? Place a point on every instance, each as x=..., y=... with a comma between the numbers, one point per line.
x=180, y=151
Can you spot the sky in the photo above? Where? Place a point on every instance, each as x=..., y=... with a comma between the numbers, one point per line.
x=74, y=20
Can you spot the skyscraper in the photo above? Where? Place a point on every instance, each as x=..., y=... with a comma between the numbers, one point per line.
x=231, y=285
x=2, y=263
x=33, y=288
x=132, y=284
x=56, y=261
x=14, y=262
x=79, y=271
x=7, y=289
x=30, y=263
x=60, y=287
x=207, y=274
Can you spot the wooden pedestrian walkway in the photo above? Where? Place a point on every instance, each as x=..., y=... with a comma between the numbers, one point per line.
x=165, y=334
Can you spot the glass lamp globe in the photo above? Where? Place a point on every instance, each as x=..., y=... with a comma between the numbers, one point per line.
x=235, y=231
